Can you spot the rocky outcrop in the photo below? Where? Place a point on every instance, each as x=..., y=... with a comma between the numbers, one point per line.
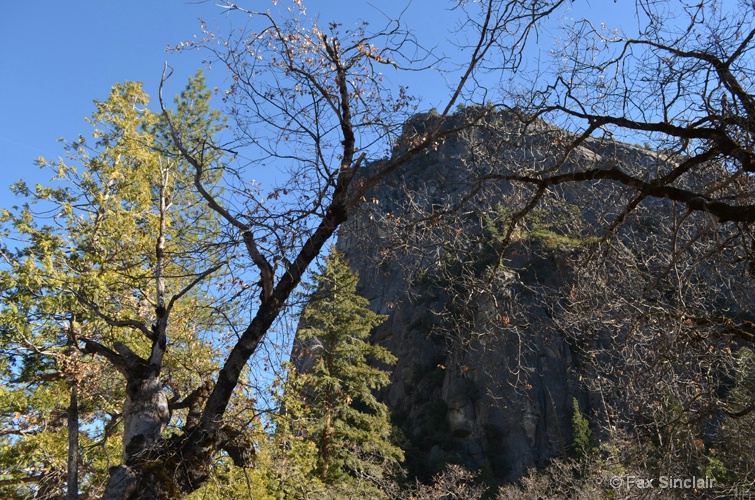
x=485, y=375
x=491, y=392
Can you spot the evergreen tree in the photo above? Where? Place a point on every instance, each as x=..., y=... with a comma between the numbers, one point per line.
x=582, y=442
x=349, y=426
x=91, y=259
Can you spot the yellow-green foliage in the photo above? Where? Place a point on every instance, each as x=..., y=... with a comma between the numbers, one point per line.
x=563, y=227
x=84, y=249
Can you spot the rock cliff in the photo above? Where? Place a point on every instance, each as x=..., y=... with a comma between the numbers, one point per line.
x=486, y=371
x=476, y=392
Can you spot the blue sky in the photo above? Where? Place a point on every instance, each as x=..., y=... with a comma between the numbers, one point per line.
x=59, y=56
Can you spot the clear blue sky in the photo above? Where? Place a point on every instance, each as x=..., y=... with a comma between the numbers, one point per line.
x=58, y=56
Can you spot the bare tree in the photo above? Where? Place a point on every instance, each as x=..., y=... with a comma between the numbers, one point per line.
x=681, y=86
x=676, y=259
x=310, y=99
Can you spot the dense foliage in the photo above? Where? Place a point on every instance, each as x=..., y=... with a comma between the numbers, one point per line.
x=351, y=427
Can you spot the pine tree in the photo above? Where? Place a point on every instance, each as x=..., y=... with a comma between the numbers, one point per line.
x=350, y=427
x=582, y=442
x=81, y=255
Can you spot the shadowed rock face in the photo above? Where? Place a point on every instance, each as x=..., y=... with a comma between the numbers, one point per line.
x=500, y=402
x=485, y=376
x=491, y=392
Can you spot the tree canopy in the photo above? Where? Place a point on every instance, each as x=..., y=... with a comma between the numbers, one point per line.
x=90, y=262
x=153, y=269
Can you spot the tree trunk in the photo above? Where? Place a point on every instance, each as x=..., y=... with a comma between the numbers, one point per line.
x=145, y=415
x=72, y=492
x=325, y=447
x=145, y=472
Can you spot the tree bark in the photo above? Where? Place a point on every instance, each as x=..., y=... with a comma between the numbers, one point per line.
x=73, y=446
x=145, y=415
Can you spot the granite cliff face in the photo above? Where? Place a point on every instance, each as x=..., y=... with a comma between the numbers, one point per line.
x=486, y=372
x=475, y=393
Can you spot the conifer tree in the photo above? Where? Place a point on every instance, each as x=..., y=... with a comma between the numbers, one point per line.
x=349, y=426
x=80, y=265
